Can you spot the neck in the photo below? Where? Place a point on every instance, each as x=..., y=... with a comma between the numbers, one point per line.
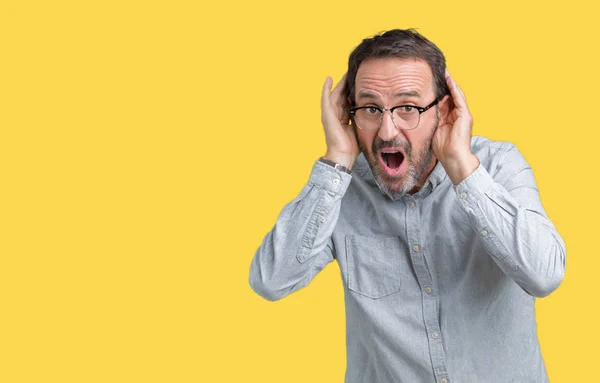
x=426, y=174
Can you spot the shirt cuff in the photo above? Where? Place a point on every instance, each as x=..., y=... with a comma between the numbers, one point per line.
x=329, y=178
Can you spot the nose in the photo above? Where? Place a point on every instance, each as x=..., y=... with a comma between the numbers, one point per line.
x=388, y=130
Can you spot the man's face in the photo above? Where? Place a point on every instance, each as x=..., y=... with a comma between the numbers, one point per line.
x=400, y=160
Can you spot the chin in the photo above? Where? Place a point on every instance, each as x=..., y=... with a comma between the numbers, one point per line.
x=395, y=188
x=396, y=192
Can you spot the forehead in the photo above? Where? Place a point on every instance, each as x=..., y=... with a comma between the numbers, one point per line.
x=391, y=77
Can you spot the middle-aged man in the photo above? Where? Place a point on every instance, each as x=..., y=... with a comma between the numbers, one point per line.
x=441, y=238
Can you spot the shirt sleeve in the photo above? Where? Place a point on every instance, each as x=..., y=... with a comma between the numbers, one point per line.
x=508, y=215
x=299, y=245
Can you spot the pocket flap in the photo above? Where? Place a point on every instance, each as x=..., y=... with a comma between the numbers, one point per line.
x=374, y=265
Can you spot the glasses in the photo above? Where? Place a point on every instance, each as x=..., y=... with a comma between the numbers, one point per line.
x=404, y=117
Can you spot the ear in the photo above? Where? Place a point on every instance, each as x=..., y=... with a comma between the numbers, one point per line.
x=445, y=108
x=350, y=117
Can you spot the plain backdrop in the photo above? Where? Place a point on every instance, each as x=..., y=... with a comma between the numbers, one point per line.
x=146, y=147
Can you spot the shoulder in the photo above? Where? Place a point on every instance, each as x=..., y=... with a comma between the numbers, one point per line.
x=485, y=147
x=494, y=153
x=500, y=158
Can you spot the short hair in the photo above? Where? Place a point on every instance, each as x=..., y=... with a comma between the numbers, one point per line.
x=399, y=43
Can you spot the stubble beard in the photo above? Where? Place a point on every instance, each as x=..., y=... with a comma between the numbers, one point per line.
x=417, y=165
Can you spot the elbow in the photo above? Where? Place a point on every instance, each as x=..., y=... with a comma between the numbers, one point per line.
x=548, y=281
x=265, y=284
x=266, y=290
x=543, y=288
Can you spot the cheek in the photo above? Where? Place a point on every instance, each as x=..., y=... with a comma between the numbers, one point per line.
x=420, y=137
x=417, y=141
x=365, y=139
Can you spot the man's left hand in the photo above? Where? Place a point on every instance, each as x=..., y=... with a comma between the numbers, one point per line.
x=452, y=140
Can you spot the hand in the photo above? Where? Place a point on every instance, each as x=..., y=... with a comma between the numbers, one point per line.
x=452, y=140
x=342, y=147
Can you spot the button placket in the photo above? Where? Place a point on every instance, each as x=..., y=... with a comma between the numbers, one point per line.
x=429, y=300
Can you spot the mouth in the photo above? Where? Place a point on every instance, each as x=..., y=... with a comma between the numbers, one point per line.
x=392, y=158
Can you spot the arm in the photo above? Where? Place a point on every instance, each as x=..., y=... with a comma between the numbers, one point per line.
x=509, y=217
x=299, y=246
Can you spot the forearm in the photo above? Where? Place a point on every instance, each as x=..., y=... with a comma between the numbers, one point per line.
x=515, y=229
x=299, y=245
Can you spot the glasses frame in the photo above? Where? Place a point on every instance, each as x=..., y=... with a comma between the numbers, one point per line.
x=419, y=109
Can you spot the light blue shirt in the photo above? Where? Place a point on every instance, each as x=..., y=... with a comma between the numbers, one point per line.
x=439, y=285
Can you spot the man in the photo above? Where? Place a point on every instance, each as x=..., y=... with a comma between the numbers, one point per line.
x=441, y=238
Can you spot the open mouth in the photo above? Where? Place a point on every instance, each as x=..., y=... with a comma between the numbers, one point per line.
x=392, y=159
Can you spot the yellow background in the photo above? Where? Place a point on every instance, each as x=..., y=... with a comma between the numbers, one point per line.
x=147, y=146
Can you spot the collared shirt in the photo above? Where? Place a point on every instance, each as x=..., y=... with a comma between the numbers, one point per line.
x=440, y=285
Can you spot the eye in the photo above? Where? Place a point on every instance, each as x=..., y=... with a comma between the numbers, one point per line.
x=406, y=109
x=372, y=110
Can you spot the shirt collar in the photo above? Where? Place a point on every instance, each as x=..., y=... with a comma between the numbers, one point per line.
x=437, y=175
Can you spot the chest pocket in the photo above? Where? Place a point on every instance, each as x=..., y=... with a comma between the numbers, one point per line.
x=375, y=265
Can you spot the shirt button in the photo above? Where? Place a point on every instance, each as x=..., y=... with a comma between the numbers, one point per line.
x=435, y=335
x=411, y=204
x=463, y=195
x=428, y=290
x=484, y=232
x=335, y=181
x=322, y=220
x=416, y=248
x=444, y=380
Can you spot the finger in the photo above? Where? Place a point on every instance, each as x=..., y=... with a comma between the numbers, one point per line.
x=455, y=90
x=448, y=75
x=339, y=101
x=457, y=94
x=460, y=90
x=339, y=89
x=326, y=94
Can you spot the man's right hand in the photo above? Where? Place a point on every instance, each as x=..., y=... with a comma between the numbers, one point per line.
x=342, y=147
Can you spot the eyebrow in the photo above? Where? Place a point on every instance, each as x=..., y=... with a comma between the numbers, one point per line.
x=412, y=93
x=371, y=96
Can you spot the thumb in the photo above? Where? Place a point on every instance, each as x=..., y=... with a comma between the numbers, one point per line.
x=326, y=92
